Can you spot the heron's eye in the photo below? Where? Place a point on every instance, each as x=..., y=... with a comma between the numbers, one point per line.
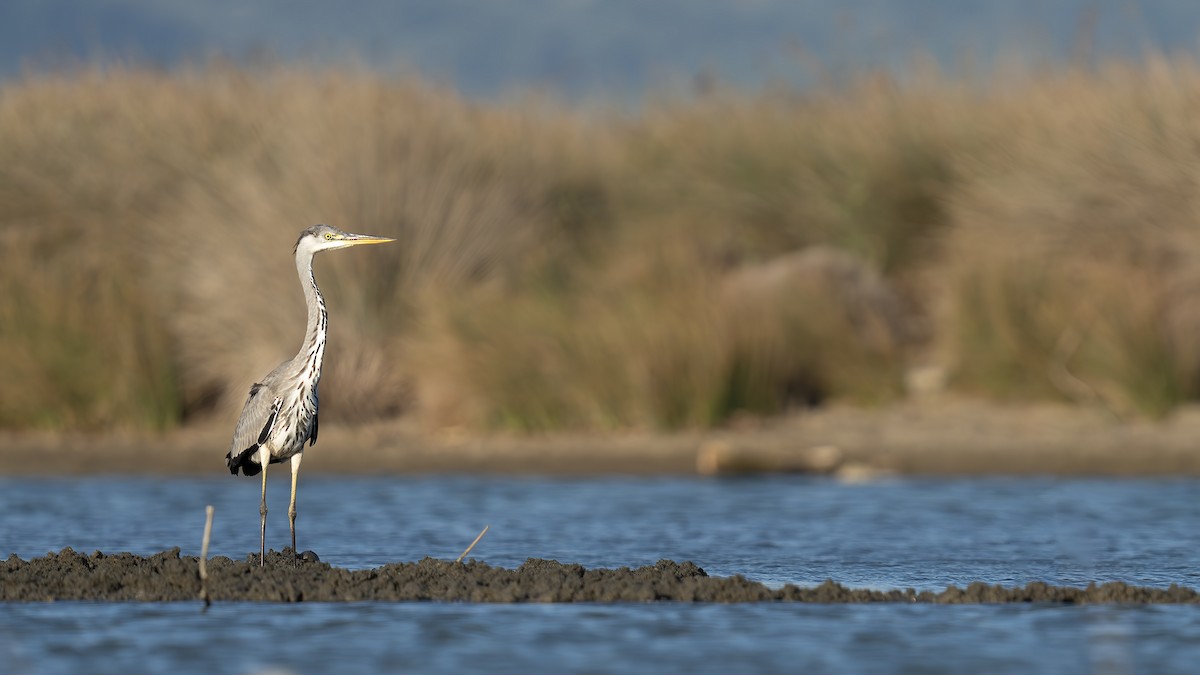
x=328, y=236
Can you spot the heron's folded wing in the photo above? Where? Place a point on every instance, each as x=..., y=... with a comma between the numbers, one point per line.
x=254, y=425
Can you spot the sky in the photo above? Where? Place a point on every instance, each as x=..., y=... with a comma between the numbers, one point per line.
x=591, y=48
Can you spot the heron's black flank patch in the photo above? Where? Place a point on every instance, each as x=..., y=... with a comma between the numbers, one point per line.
x=244, y=461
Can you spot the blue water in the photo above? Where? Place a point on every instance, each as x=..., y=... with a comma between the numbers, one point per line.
x=901, y=533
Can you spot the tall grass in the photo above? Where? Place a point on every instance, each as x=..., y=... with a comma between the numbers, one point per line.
x=564, y=268
x=1079, y=228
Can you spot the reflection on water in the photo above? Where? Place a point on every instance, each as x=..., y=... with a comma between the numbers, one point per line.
x=891, y=534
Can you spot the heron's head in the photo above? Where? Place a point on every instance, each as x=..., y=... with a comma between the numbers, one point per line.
x=326, y=238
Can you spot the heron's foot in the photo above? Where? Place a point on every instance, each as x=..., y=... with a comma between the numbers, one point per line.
x=279, y=558
x=297, y=558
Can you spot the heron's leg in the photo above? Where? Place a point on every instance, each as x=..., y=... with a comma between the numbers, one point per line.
x=264, y=458
x=292, y=506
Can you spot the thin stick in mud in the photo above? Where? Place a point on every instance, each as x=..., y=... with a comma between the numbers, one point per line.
x=208, y=518
x=464, y=553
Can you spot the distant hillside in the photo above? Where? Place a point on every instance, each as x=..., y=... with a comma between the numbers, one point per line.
x=582, y=48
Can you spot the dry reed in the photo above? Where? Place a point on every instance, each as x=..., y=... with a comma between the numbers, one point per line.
x=566, y=268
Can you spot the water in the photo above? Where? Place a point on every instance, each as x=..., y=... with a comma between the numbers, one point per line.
x=924, y=534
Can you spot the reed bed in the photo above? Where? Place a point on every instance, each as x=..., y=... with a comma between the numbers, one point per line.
x=1031, y=236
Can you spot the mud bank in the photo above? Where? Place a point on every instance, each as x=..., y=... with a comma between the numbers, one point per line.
x=942, y=437
x=168, y=576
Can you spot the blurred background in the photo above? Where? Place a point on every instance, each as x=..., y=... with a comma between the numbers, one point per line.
x=612, y=215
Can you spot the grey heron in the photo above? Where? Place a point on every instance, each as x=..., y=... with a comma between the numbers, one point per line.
x=280, y=414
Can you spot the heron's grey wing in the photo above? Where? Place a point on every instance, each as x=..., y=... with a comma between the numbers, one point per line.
x=253, y=428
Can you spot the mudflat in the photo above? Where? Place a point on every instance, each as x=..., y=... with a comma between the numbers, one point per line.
x=168, y=576
x=952, y=436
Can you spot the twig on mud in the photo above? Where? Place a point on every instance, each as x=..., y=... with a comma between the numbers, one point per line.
x=208, y=518
x=464, y=553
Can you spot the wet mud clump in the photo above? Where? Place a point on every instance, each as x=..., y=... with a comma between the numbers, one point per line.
x=168, y=576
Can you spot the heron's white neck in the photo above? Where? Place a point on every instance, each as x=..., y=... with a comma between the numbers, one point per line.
x=312, y=350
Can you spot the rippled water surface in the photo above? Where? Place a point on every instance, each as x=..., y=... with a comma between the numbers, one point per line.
x=889, y=534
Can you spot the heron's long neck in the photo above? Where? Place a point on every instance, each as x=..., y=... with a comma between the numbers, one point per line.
x=312, y=350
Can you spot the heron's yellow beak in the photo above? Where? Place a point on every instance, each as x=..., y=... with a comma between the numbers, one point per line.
x=356, y=239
